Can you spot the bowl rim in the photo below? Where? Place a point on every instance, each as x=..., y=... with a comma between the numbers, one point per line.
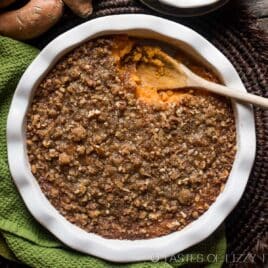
x=89, y=243
x=174, y=11
x=189, y=3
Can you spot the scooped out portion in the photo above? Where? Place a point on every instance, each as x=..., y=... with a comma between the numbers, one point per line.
x=119, y=158
x=157, y=82
x=152, y=74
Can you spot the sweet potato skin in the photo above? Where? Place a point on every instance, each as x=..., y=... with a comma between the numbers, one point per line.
x=5, y=3
x=82, y=8
x=30, y=21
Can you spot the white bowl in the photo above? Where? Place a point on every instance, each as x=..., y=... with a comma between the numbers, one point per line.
x=189, y=3
x=126, y=250
x=184, y=8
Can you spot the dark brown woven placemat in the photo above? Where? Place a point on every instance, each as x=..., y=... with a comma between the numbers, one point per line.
x=234, y=31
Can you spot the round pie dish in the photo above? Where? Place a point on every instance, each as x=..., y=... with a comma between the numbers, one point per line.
x=128, y=250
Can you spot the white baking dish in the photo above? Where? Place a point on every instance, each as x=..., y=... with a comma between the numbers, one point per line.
x=125, y=250
x=189, y=3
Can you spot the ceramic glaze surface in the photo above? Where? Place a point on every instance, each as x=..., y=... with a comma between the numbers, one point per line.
x=189, y=3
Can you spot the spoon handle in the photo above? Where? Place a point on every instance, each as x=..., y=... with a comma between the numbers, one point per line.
x=196, y=81
x=237, y=94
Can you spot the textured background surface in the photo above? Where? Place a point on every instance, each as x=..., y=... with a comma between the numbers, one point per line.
x=260, y=8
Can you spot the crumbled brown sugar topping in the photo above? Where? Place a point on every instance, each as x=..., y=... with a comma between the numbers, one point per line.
x=117, y=166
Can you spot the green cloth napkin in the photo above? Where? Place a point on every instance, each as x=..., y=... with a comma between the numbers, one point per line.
x=24, y=240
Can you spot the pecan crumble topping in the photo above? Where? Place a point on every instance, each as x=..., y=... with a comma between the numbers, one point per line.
x=116, y=165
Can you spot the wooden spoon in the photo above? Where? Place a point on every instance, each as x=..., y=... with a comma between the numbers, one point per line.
x=179, y=76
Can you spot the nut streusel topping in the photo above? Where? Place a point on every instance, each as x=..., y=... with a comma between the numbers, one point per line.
x=117, y=166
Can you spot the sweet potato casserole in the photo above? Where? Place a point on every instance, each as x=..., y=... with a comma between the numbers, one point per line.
x=122, y=160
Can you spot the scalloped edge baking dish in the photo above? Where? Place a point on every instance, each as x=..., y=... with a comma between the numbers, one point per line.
x=189, y=3
x=126, y=250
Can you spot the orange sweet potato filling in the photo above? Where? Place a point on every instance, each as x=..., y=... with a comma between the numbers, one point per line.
x=147, y=91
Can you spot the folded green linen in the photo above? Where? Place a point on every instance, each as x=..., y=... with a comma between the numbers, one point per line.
x=21, y=237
